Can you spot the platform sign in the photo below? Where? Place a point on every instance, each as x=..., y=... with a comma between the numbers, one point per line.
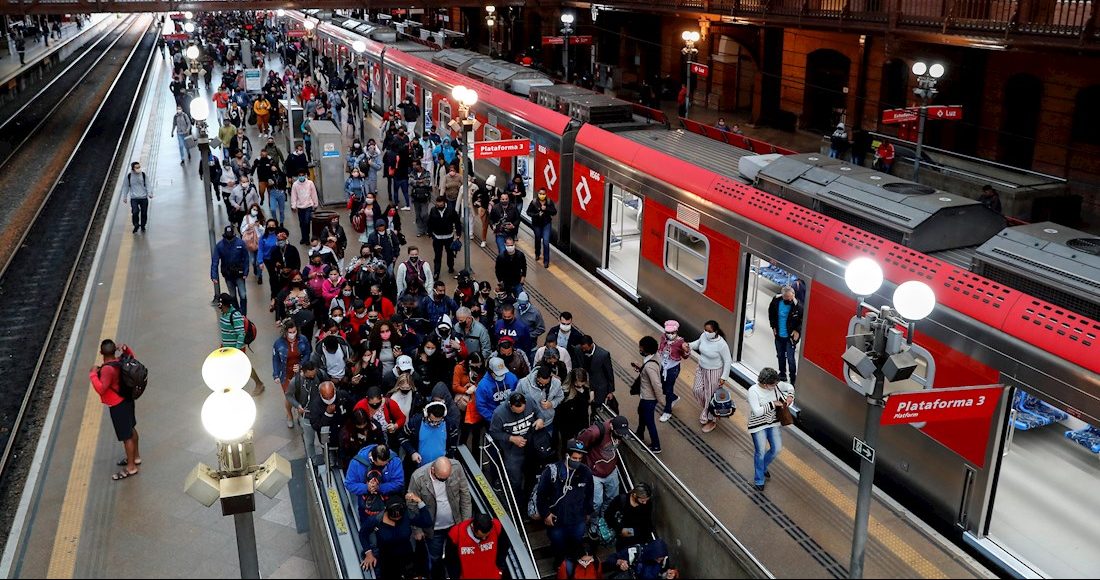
x=936, y=405
x=559, y=40
x=330, y=150
x=502, y=148
x=895, y=116
x=945, y=112
x=176, y=36
x=864, y=450
x=912, y=114
x=699, y=69
x=253, y=80
x=296, y=33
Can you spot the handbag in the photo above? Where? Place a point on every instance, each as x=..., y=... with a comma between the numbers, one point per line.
x=456, y=245
x=461, y=402
x=190, y=142
x=783, y=414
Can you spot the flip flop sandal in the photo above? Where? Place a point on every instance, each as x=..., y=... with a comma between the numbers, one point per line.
x=124, y=462
x=124, y=474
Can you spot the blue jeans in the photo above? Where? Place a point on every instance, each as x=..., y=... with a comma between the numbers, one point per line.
x=500, y=243
x=254, y=257
x=276, y=202
x=305, y=216
x=565, y=540
x=237, y=289
x=400, y=185
x=760, y=459
x=604, y=489
x=542, y=243
x=646, y=410
x=833, y=153
x=784, y=351
x=436, y=546
x=181, y=140
x=668, y=385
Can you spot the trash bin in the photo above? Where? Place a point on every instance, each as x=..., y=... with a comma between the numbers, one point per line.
x=322, y=218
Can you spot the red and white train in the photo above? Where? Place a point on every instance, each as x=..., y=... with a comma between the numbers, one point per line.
x=687, y=242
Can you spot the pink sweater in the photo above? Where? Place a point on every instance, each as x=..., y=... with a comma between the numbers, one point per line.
x=303, y=194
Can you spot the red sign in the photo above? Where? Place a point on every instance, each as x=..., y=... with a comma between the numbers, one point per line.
x=936, y=405
x=588, y=195
x=503, y=148
x=945, y=112
x=584, y=39
x=894, y=116
x=699, y=69
x=547, y=165
x=176, y=36
x=296, y=33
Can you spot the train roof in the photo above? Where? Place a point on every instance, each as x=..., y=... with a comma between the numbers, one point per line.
x=703, y=151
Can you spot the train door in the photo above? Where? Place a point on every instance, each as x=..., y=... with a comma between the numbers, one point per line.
x=623, y=236
x=764, y=278
x=1044, y=509
x=426, y=107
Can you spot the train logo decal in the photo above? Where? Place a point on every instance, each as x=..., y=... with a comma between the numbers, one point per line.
x=550, y=175
x=584, y=194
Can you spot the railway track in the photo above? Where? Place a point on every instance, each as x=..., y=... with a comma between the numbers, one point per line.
x=37, y=276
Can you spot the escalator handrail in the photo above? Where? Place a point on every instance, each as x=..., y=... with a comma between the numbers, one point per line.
x=624, y=473
x=510, y=501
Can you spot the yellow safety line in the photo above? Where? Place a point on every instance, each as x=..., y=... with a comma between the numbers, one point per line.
x=71, y=519
x=877, y=530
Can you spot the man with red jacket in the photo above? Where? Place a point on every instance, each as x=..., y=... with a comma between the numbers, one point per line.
x=478, y=548
x=106, y=380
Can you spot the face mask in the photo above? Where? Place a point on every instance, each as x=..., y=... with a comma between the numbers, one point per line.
x=329, y=401
x=511, y=249
x=444, y=332
x=670, y=335
x=710, y=335
x=566, y=327
x=429, y=350
x=374, y=405
x=292, y=335
x=414, y=259
x=281, y=243
x=542, y=197
x=385, y=334
x=301, y=179
x=574, y=464
x=337, y=319
x=255, y=213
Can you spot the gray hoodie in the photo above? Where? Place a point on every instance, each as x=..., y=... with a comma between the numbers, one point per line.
x=136, y=186
x=555, y=394
x=181, y=124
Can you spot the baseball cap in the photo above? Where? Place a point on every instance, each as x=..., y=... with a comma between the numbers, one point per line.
x=575, y=446
x=506, y=341
x=225, y=299
x=517, y=399
x=496, y=366
x=620, y=426
x=405, y=362
x=671, y=326
x=229, y=231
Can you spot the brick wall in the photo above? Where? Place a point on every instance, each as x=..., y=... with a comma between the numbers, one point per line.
x=797, y=45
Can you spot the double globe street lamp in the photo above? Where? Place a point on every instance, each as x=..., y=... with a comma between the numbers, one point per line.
x=467, y=125
x=880, y=353
x=690, y=37
x=567, y=20
x=927, y=76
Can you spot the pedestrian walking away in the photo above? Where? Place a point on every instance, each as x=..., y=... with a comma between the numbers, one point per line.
x=785, y=317
x=649, y=390
x=136, y=192
x=181, y=128
x=234, y=329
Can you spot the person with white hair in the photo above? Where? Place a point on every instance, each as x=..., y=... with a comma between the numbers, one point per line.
x=838, y=142
x=483, y=202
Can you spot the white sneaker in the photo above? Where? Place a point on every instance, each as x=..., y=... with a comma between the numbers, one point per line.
x=406, y=208
x=665, y=417
x=483, y=244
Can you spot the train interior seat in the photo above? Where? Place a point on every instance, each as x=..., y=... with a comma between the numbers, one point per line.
x=1088, y=437
x=1032, y=412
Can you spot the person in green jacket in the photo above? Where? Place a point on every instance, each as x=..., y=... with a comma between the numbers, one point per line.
x=231, y=324
x=225, y=134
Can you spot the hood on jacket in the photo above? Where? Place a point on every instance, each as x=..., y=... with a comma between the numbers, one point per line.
x=654, y=550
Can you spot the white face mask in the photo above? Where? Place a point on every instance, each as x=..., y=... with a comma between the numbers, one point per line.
x=255, y=213
x=329, y=401
x=429, y=351
x=710, y=335
x=670, y=335
x=292, y=335
x=566, y=327
x=337, y=319
x=511, y=249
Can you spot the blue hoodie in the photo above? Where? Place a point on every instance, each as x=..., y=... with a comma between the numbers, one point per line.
x=646, y=564
x=393, y=475
x=491, y=393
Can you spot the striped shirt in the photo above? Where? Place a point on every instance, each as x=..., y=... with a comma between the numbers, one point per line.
x=231, y=325
x=762, y=403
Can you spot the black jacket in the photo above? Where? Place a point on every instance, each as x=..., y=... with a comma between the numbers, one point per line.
x=295, y=164
x=794, y=317
x=443, y=222
x=539, y=216
x=575, y=336
x=263, y=166
x=620, y=514
x=601, y=377
x=499, y=217
x=319, y=418
x=511, y=268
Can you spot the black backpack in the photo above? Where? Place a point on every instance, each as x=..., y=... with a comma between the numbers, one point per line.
x=133, y=377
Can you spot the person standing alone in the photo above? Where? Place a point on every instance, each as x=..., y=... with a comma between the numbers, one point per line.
x=181, y=128
x=136, y=192
x=785, y=317
x=107, y=381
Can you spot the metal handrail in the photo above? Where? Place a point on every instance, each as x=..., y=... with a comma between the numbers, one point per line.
x=991, y=163
x=624, y=472
x=509, y=498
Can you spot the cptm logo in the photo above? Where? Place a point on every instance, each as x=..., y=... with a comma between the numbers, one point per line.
x=584, y=194
x=549, y=174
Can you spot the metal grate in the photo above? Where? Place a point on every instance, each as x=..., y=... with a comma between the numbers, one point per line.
x=863, y=224
x=909, y=188
x=1086, y=245
x=1038, y=289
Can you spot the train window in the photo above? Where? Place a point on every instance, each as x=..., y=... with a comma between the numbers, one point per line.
x=686, y=254
x=492, y=134
x=444, y=114
x=922, y=377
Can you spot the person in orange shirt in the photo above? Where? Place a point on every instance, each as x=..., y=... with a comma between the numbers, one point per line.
x=221, y=100
x=308, y=91
x=262, y=108
x=885, y=156
x=105, y=380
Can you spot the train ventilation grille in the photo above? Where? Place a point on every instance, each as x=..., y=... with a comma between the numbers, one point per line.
x=863, y=223
x=1086, y=245
x=909, y=188
x=1029, y=285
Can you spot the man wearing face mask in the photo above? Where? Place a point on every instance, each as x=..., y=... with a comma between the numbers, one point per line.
x=564, y=500
x=386, y=242
x=181, y=128
x=327, y=412
x=429, y=434
x=510, y=427
x=512, y=327
x=303, y=199
x=472, y=332
x=542, y=211
x=511, y=267
x=296, y=162
x=438, y=304
x=280, y=261
x=505, y=220
x=136, y=192
x=443, y=225
x=274, y=153
x=530, y=315
x=565, y=334
x=385, y=538
x=442, y=486
x=421, y=181
x=785, y=316
x=243, y=196
x=232, y=257
x=413, y=271
x=541, y=386
x=333, y=355
x=597, y=361
x=263, y=166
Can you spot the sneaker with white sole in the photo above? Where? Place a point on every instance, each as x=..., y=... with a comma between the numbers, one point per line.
x=483, y=244
x=665, y=417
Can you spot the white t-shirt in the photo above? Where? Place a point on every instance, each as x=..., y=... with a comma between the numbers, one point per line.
x=444, y=516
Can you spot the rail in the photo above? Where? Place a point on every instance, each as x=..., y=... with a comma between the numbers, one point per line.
x=650, y=113
x=510, y=503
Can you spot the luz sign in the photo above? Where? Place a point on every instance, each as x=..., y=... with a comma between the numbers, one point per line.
x=936, y=405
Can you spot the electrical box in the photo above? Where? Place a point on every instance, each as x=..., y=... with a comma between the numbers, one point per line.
x=328, y=161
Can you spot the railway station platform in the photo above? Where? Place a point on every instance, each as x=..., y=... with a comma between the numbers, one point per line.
x=152, y=291
x=37, y=51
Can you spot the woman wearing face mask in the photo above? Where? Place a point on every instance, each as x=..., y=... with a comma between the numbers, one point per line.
x=393, y=220
x=269, y=242
x=431, y=365
x=383, y=339
x=673, y=349
x=373, y=166
x=356, y=155
x=344, y=300
x=332, y=286
x=276, y=194
x=252, y=229
x=452, y=184
x=295, y=302
x=542, y=211
x=483, y=200
x=333, y=229
x=714, y=367
x=486, y=303
x=463, y=385
x=290, y=349
x=355, y=187
x=768, y=394
x=371, y=212
x=572, y=412
x=303, y=199
x=359, y=431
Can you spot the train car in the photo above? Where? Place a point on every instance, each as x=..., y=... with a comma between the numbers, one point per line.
x=687, y=238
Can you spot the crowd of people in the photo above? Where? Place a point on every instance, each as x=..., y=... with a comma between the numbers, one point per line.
x=388, y=366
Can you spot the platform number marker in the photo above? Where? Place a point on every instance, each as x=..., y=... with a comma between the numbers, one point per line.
x=550, y=175
x=584, y=194
x=863, y=449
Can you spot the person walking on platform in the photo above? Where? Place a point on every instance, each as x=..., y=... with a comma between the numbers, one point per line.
x=785, y=317
x=281, y=261
x=289, y=351
x=226, y=133
x=443, y=223
x=511, y=267
x=542, y=211
x=231, y=259
x=714, y=367
x=649, y=390
x=478, y=548
x=601, y=378
x=442, y=487
x=421, y=181
x=262, y=108
x=181, y=128
x=21, y=48
x=303, y=199
x=504, y=218
x=673, y=350
x=765, y=397
x=107, y=381
x=564, y=501
x=136, y=192
x=231, y=324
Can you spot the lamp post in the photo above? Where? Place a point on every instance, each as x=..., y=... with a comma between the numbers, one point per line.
x=926, y=89
x=309, y=25
x=200, y=111
x=466, y=98
x=567, y=29
x=491, y=22
x=690, y=38
x=881, y=353
x=360, y=47
x=228, y=415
